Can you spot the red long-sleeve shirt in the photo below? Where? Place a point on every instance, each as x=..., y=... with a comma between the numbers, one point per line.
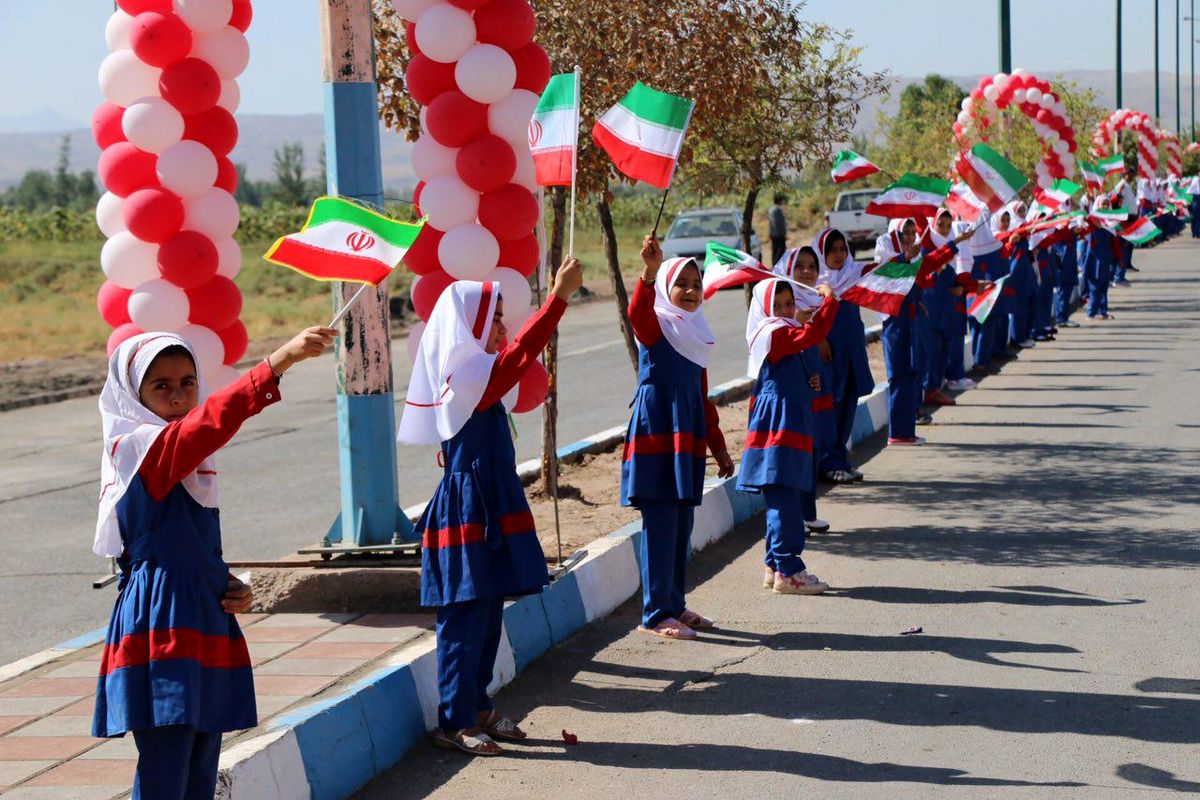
x=788, y=341
x=932, y=264
x=518, y=356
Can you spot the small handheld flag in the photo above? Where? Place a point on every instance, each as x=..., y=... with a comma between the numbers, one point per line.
x=725, y=266
x=850, y=166
x=884, y=288
x=963, y=202
x=983, y=302
x=1113, y=165
x=911, y=196
x=643, y=134
x=991, y=177
x=1093, y=177
x=1139, y=231
x=554, y=131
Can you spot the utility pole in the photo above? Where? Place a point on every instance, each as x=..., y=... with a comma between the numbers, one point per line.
x=1006, y=37
x=1192, y=82
x=1120, y=103
x=1178, y=107
x=1157, y=105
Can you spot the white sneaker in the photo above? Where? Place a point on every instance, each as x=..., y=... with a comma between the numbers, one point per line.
x=908, y=441
x=768, y=577
x=800, y=583
x=1026, y=343
x=816, y=525
x=961, y=384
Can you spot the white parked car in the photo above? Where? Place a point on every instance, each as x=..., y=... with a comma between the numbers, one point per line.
x=692, y=230
x=849, y=215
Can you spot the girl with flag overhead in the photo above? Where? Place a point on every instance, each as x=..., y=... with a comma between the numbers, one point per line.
x=478, y=540
x=672, y=427
x=175, y=671
x=1066, y=261
x=1022, y=283
x=778, y=458
x=987, y=264
x=947, y=312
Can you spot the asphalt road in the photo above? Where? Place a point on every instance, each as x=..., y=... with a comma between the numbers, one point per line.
x=1045, y=540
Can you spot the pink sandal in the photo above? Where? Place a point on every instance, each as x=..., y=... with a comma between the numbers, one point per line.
x=669, y=629
x=696, y=621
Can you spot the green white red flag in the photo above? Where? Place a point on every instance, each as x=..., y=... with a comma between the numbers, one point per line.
x=884, y=288
x=850, y=166
x=911, y=196
x=991, y=177
x=1113, y=165
x=1139, y=231
x=726, y=266
x=643, y=134
x=554, y=131
x=1093, y=177
x=343, y=241
x=982, y=303
x=1109, y=218
x=962, y=202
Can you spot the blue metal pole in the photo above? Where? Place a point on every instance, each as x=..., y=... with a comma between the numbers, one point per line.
x=370, y=513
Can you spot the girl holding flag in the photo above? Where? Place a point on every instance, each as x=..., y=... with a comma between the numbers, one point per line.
x=778, y=458
x=947, y=311
x=1101, y=253
x=479, y=544
x=987, y=264
x=672, y=427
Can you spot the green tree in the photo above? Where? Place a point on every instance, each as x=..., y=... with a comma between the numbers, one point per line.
x=918, y=138
x=248, y=192
x=288, y=164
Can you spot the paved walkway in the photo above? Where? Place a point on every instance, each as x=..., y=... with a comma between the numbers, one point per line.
x=1046, y=541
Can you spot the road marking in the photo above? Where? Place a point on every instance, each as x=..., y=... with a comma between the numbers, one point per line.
x=583, y=351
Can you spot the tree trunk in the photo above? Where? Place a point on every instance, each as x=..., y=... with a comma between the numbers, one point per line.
x=747, y=229
x=614, y=275
x=558, y=202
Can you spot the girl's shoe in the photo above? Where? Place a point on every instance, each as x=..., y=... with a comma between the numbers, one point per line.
x=669, y=628
x=697, y=622
x=816, y=526
x=924, y=419
x=856, y=475
x=961, y=384
x=936, y=398
x=768, y=577
x=905, y=440
x=800, y=583
x=476, y=744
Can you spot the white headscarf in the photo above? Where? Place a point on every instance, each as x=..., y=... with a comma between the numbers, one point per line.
x=687, y=331
x=130, y=429
x=785, y=267
x=934, y=237
x=761, y=322
x=452, y=367
x=995, y=220
x=837, y=279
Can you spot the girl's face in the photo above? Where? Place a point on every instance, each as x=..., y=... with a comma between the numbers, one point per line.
x=836, y=253
x=908, y=232
x=688, y=291
x=784, y=303
x=1004, y=219
x=170, y=388
x=806, y=269
x=498, y=332
x=943, y=224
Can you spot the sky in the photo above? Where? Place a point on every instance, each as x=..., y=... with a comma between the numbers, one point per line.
x=909, y=37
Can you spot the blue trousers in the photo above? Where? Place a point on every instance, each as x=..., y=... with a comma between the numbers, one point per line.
x=1098, y=293
x=981, y=340
x=1126, y=260
x=1062, y=298
x=1045, y=302
x=1196, y=219
x=998, y=320
x=925, y=350
x=937, y=361
x=837, y=453
x=468, y=638
x=176, y=762
x=666, y=545
x=902, y=376
x=786, y=533
x=956, y=365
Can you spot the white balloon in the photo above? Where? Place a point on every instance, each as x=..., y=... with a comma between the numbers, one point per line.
x=1051, y=136
x=966, y=104
x=208, y=347
x=108, y=215
x=449, y=202
x=1000, y=78
x=411, y=9
x=116, y=31
x=423, y=118
x=514, y=288
x=525, y=173
x=414, y=340
x=509, y=117
x=991, y=93
x=468, y=252
x=152, y=124
x=204, y=16
x=231, y=96
x=1048, y=100
x=223, y=377
x=1061, y=147
x=432, y=160
x=445, y=32
x=1034, y=95
x=214, y=213
x=187, y=168
x=127, y=261
x=485, y=73
x=229, y=257
x=159, y=305
x=515, y=316
x=1019, y=96
x=124, y=78
x=1021, y=72
x=226, y=50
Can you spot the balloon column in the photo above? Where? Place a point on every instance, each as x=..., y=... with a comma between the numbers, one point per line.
x=477, y=73
x=1105, y=140
x=1034, y=98
x=1170, y=143
x=166, y=129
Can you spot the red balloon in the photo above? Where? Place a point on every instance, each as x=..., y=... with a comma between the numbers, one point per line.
x=113, y=303
x=977, y=95
x=522, y=254
x=191, y=85
x=242, y=14
x=124, y=169
x=487, y=163
x=1056, y=170
x=1071, y=146
x=468, y=5
x=227, y=177
x=509, y=212
x=216, y=304
x=216, y=129
x=533, y=388
x=426, y=78
x=410, y=38
x=106, y=125
x=455, y=119
x=188, y=259
x=160, y=39
x=235, y=340
x=533, y=67
x=126, y=331
x=135, y=7
x=153, y=215
x=422, y=257
x=1043, y=116
x=957, y=128
x=427, y=291
x=506, y=23
x=420, y=187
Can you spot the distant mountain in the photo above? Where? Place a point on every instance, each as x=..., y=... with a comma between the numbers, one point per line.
x=44, y=121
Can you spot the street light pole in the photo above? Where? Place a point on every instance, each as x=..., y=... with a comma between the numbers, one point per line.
x=1178, y=111
x=1006, y=37
x=1157, y=107
x=1119, y=102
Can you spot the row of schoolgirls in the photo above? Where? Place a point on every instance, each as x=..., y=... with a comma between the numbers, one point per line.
x=176, y=671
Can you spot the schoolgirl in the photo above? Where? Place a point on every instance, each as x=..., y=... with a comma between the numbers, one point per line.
x=479, y=544
x=1102, y=252
x=988, y=264
x=778, y=457
x=1021, y=286
x=672, y=426
x=946, y=311
x=175, y=671
x=1066, y=262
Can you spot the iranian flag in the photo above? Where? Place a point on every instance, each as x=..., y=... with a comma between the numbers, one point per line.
x=993, y=180
x=963, y=202
x=1108, y=217
x=1113, y=165
x=1061, y=191
x=911, y=196
x=1139, y=231
x=554, y=131
x=884, y=288
x=725, y=266
x=850, y=166
x=982, y=303
x=644, y=133
x=343, y=241
x=1093, y=177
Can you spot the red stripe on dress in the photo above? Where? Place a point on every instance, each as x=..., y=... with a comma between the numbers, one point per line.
x=481, y=316
x=658, y=444
x=761, y=440
x=139, y=649
x=823, y=403
x=473, y=532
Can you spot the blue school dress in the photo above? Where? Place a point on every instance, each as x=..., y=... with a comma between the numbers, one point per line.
x=779, y=436
x=478, y=539
x=824, y=421
x=1067, y=277
x=172, y=655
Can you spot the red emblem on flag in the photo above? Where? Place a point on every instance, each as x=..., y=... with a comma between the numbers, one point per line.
x=359, y=241
x=535, y=132
x=910, y=195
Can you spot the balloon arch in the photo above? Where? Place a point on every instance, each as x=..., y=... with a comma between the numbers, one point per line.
x=1106, y=139
x=1034, y=98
